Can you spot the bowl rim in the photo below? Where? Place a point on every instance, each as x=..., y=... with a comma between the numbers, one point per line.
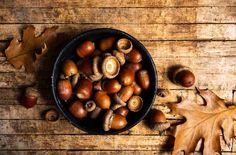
x=53, y=83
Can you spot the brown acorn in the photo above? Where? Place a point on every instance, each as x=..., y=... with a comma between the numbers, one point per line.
x=137, y=88
x=106, y=43
x=84, y=89
x=123, y=111
x=143, y=79
x=77, y=110
x=113, y=121
x=69, y=68
x=64, y=89
x=111, y=86
x=86, y=67
x=134, y=56
x=102, y=99
x=184, y=76
x=85, y=49
x=134, y=66
x=127, y=77
x=30, y=98
x=125, y=93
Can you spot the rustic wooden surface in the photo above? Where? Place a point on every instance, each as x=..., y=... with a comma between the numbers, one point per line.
x=198, y=33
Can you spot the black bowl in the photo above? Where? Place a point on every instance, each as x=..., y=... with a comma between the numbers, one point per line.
x=68, y=52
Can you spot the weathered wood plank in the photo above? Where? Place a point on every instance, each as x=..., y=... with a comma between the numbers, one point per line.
x=20, y=112
x=63, y=152
x=172, y=49
x=141, y=31
x=121, y=15
x=37, y=127
x=64, y=127
x=97, y=15
x=85, y=142
x=115, y=3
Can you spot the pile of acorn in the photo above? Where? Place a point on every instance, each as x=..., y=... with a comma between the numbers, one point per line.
x=109, y=77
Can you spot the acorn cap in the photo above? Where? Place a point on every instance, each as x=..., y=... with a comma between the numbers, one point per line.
x=124, y=45
x=90, y=106
x=120, y=56
x=30, y=91
x=118, y=100
x=135, y=103
x=110, y=67
x=52, y=115
x=107, y=120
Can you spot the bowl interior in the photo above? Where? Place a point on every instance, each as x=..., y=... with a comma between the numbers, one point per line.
x=68, y=52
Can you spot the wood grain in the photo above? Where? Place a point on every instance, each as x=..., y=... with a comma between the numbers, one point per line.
x=142, y=32
x=122, y=15
x=117, y=3
x=173, y=49
x=63, y=152
x=200, y=34
x=83, y=142
x=41, y=127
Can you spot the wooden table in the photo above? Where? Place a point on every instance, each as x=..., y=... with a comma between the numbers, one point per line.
x=198, y=33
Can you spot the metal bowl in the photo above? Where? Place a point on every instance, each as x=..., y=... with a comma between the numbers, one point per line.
x=68, y=52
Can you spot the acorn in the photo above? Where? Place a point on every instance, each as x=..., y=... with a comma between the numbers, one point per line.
x=123, y=111
x=134, y=66
x=85, y=49
x=113, y=121
x=137, y=88
x=125, y=93
x=69, y=68
x=106, y=43
x=158, y=120
x=102, y=99
x=84, y=89
x=134, y=56
x=30, y=98
x=111, y=86
x=77, y=110
x=124, y=45
x=86, y=67
x=64, y=89
x=127, y=77
x=184, y=77
x=143, y=79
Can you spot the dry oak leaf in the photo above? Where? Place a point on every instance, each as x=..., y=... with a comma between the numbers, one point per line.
x=205, y=122
x=31, y=48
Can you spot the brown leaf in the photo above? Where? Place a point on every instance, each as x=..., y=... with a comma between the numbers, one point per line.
x=26, y=52
x=203, y=122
